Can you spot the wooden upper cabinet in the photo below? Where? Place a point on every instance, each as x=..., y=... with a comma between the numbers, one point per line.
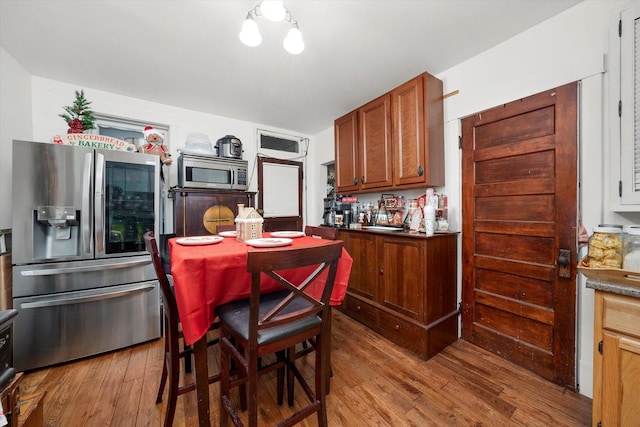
x=375, y=157
x=394, y=141
x=346, y=143
x=418, y=132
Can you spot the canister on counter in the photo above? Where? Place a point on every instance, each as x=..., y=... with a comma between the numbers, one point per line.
x=605, y=247
x=429, y=220
x=631, y=260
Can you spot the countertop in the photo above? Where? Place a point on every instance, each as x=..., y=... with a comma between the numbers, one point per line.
x=390, y=231
x=614, y=288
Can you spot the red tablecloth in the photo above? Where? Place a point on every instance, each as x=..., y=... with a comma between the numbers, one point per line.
x=207, y=276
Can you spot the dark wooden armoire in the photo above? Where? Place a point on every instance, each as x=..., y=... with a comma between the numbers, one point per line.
x=198, y=212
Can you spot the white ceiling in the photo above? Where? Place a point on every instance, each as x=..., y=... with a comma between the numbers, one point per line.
x=187, y=53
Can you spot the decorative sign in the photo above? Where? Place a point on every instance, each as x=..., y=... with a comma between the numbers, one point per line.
x=93, y=141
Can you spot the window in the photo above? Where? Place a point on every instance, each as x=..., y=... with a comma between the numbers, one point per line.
x=127, y=129
x=282, y=146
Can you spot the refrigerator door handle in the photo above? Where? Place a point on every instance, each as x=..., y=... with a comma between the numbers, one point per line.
x=86, y=204
x=85, y=296
x=86, y=268
x=99, y=205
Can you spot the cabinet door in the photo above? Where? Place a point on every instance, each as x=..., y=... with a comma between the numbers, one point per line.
x=375, y=159
x=363, y=280
x=346, y=153
x=407, y=106
x=402, y=279
x=620, y=385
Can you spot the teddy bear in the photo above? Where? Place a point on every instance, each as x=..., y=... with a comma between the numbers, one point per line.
x=154, y=145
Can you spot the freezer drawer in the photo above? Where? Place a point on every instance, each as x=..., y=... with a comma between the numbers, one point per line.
x=44, y=279
x=51, y=329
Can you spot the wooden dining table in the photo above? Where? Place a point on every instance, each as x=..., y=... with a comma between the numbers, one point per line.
x=208, y=275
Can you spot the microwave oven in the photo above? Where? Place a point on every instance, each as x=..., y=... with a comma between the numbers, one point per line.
x=203, y=171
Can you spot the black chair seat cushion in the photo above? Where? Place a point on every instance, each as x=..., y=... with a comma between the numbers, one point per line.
x=236, y=315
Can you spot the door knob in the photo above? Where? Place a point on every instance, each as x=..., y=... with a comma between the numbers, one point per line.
x=564, y=263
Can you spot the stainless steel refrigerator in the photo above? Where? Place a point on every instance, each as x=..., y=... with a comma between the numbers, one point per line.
x=83, y=283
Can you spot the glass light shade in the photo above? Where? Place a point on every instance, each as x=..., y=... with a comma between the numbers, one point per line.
x=250, y=35
x=293, y=43
x=273, y=10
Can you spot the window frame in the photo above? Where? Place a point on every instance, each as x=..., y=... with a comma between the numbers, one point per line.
x=127, y=124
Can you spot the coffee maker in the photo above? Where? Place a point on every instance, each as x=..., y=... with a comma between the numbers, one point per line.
x=329, y=212
x=337, y=213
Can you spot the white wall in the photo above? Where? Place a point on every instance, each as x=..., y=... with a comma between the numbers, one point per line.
x=45, y=99
x=15, y=123
x=322, y=152
x=50, y=96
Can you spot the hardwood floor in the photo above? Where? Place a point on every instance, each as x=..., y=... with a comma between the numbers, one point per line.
x=374, y=383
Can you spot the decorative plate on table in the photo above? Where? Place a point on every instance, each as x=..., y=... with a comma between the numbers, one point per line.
x=289, y=234
x=228, y=233
x=269, y=242
x=199, y=240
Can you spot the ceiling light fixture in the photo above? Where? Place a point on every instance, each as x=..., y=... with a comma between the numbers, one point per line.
x=273, y=10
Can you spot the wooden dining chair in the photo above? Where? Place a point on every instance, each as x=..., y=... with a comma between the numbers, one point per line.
x=172, y=337
x=329, y=233
x=276, y=322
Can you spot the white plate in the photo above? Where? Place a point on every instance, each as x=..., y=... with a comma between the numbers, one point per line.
x=269, y=242
x=289, y=234
x=199, y=240
x=228, y=233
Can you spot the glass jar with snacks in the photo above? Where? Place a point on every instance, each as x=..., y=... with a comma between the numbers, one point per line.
x=605, y=248
x=631, y=261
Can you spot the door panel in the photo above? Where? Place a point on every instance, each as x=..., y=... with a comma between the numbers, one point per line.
x=346, y=146
x=407, y=107
x=374, y=120
x=280, y=184
x=362, y=246
x=519, y=198
x=399, y=276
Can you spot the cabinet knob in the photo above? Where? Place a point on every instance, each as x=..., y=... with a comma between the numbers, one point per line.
x=357, y=307
x=397, y=328
x=362, y=180
x=381, y=271
x=355, y=181
x=420, y=171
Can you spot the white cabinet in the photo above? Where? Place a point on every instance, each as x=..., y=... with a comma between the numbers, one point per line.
x=624, y=110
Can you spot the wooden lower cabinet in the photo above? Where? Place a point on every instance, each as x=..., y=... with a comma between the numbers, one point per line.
x=404, y=287
x=616, y=375
x=198, y=212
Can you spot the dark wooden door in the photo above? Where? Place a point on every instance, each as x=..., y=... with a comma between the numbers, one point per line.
x=519, y=192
